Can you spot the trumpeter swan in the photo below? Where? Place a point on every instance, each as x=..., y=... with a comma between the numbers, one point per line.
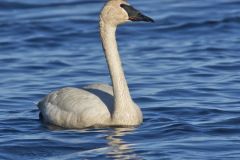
x=99, y=105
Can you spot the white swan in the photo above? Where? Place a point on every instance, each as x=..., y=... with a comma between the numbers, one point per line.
x=99, y=105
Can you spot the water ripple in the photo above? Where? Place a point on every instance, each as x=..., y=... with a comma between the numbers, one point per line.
x=183, y=71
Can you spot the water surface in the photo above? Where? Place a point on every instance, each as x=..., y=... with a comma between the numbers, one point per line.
x=183, y=71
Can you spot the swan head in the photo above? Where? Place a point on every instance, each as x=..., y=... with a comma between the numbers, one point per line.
x=117, y=12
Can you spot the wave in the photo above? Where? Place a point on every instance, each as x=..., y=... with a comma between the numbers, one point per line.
x=206, y=23
x=24, y=5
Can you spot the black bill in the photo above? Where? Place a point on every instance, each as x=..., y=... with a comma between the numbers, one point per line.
x=135, y=15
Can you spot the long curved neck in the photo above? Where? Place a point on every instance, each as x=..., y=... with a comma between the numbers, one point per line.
x=122, y=97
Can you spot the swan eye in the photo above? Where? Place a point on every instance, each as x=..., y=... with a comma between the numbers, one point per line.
x=129, y=9
x=134, y=14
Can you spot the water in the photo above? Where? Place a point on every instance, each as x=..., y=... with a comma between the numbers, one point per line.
x=183, y=71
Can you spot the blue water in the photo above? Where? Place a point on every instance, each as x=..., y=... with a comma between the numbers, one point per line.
x=182, y=70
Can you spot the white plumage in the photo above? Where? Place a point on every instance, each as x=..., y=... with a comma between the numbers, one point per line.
x=97, y=105
x=78, y=108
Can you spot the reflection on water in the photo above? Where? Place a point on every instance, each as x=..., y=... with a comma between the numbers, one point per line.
x=117, y=148
x=120, y=149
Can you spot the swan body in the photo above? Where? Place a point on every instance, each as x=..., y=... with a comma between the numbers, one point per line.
x=98, y=105
x=91, y=106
